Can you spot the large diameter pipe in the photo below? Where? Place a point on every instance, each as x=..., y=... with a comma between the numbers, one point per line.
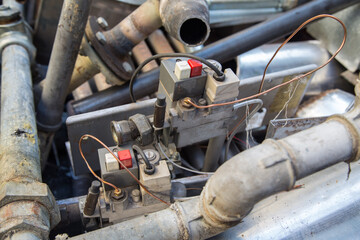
x=68, y=37
x=234, y=189
x=222, y=51
x=26, y=204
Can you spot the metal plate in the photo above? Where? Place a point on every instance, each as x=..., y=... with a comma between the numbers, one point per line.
x=97, y=123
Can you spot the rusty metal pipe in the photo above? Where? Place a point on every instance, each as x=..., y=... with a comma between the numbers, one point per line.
x=187, y=21
x=26, y=204
x=68, y=37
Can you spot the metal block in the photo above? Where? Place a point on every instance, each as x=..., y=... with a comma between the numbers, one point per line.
x=221, y=91
x=176, y=89
x=95, y=123
x=159, y=183
x=120, y=178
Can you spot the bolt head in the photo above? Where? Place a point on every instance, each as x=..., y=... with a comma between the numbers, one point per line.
x=101, y=38
x=127, y=67
x=102, y=23
x=118, y=196
x=150, y=154
x=185, y=103
x=8, y=15
x=202, y=102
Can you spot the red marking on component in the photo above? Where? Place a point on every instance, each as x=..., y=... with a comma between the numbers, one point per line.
x=196, y=67
x=125, y=158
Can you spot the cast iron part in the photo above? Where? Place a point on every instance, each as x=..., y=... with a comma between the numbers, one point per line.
x=222, y=51
x=159, y=112
x=120, y=64
x=92, y=198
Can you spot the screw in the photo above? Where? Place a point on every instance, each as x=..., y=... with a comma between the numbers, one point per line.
x=135, y=194
x=150, y=154
x=102, y=22
x=127, y=67
x=101, y=38
x=202, y=102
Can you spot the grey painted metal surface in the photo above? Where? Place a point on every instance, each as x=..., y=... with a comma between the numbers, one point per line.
x=98, y=124
x=25, y=202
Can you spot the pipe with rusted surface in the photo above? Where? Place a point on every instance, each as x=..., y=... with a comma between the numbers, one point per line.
x=26, y=204
x=187, y=21
x=247, y=178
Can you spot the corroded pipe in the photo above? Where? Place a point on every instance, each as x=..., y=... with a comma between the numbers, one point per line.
x=187, y=21
x=26, y=204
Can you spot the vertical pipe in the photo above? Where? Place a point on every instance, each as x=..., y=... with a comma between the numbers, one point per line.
x=213, y=153
x=19, y=140
x=68, y=37
x=20, y=156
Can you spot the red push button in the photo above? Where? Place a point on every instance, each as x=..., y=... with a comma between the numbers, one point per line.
x=125, y=158
x=196, y=67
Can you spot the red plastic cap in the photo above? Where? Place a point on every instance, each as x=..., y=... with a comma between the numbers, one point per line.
x=196, y=67
x=125, y=158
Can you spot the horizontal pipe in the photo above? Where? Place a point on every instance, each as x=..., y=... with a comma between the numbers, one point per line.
x=222, y=51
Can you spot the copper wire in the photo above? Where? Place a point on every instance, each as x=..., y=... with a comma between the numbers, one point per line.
x=290, y=81
x=110, y=184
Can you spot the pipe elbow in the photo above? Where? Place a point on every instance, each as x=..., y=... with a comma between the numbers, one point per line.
x=245, y=179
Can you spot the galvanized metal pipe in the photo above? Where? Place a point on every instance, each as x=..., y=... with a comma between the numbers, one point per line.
x=234, y=189
x=68, y=37
x=222, y=51
x=25, y=203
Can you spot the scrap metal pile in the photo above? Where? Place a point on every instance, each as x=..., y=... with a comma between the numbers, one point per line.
x=192, y=119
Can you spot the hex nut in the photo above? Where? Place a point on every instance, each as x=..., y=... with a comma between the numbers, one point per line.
x=24, y=216
x=102, y=23
x=8, y=15
x=118, y=197
x=30, y=191
x=101, y=38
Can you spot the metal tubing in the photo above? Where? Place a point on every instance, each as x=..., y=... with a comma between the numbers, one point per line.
x=189, y=24
x=19, y=138
x=222, y=51
x=213, y=153
x=257, y=173
x=25, y=202
x=68, y=37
